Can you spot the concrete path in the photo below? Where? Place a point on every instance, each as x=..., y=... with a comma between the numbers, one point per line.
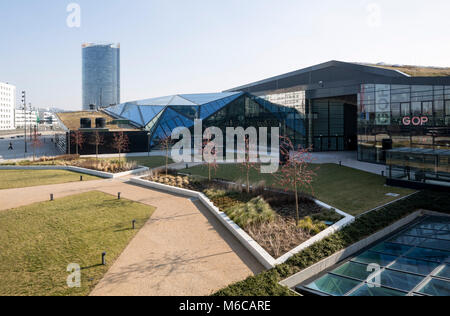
x=182, y=250
x=348, y=159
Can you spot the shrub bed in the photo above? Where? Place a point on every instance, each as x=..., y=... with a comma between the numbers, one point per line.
x=267, y=216
x=104, y=165
x=266, y=283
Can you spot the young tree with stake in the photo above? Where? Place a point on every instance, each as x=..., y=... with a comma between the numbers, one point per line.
x=97, y=141
x=35, y=143
x=210, y=154
x=120, y=143
x=296, y=174
x=165, y=144
x=78, y=140
x=247, y=165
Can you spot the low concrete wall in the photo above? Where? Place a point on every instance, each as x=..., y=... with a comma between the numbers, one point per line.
x=329, y=262
x=100, y=174
x=259, y=252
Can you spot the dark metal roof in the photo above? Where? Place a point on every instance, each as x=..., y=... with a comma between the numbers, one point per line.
x=338, y=65
x=336, y=75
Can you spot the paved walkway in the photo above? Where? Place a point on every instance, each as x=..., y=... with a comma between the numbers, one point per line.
x=182, y=249
x=348, y=159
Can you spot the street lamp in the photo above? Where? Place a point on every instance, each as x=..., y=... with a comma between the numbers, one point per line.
x=24, y=102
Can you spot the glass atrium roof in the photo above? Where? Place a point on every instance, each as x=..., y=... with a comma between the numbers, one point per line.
x=414, y=262
x=162, y=115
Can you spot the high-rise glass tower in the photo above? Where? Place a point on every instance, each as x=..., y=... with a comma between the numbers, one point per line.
x=101, y=75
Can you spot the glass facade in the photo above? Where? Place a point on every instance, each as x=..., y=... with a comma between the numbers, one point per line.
x=101, y=75
x=161, y=116
x=419, y=165
x=402, y=116
x=413, y=262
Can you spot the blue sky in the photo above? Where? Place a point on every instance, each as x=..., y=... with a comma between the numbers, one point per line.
x=192, y=46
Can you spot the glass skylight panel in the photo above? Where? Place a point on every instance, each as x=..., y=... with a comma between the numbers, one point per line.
x=374, y=258
x=436, y=288
x=436, y=244
x=408, y=240
x=404, y=266
x=177, y=100
x=354, y=270
x=132, y=113
x=429, y=254
x=156, y=101
x=333, y=285
x=445, y=273
x=391, y=249
x=365, y=290
x=429, y=233
x=201, y=99
x=415, y=266
x=150, y=112
x=400, y=280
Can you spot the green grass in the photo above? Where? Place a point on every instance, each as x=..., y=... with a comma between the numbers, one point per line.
x=37, y=242
x=267, y=283
x=347, y=189
x=150, y=162
x=11, y=179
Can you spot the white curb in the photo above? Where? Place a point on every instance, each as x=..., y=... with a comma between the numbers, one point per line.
x=101, y=174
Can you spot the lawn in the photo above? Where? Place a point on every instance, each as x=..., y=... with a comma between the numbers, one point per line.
x=150, y=162
x=11, y=179
x=347, y=189
x=39, y=241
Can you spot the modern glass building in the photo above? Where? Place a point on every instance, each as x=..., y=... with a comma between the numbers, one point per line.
x=160, y=116
x=101, y=75
x=334, y=106
x=365, y=108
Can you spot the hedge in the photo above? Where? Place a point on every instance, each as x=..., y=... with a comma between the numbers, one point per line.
x=266, y=283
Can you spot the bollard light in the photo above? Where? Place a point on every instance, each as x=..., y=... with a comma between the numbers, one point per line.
x=81, y=178
x=382, y=173
x=104, y=258
x=340, y=163
x=51, y=197
x=118, y=196
x=134, y=223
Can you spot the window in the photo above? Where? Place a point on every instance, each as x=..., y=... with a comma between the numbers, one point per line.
x=395, y=108
x=427, y=108
x=416, y=108
x=406, y=109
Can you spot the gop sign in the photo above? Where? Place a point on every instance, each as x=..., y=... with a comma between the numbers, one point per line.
x=416, y=120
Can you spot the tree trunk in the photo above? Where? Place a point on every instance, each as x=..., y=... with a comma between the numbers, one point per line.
x=96, y=151
x=248, y=181
x=167, y=162
x=209, y=172
x=297, y=215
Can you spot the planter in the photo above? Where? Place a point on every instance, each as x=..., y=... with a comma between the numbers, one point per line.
x=248, y=242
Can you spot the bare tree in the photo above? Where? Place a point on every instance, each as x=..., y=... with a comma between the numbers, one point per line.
x=165, y=144
x=35, y=143
x=120, y=143
x=78, y=140
x=209, y=148
x=297, y=173
x=97, y=140
x=247, y=165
